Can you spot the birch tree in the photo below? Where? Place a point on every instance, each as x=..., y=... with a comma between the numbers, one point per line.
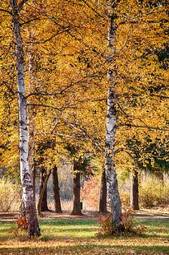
x=111, y=124
x=25, y=173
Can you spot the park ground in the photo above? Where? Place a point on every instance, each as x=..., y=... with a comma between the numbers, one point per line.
x=78, y=235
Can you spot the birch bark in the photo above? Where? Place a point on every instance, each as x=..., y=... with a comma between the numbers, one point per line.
x=26, y=179
x=111, y=124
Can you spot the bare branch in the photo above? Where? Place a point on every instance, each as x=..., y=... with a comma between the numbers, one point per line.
x=45, y=106
x=144, y=127
x=51, y=37
x=145, y=94
x=29, y=21
x=21, y=4
x=6, y=11
x=93, y=9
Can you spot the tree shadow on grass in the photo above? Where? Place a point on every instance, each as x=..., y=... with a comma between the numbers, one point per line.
x=85, y=249
x=67, y=222
x=154, y=222
x=155, y=228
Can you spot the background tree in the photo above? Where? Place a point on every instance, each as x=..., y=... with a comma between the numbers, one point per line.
x=103, y=194
x=56, y=191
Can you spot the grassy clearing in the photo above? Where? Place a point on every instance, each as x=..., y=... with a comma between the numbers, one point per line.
x=72, y=236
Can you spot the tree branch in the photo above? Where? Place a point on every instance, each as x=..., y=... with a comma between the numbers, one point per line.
x=142, y=126
x=45, y=106
x=51, y=37
x=6, y=11
x=21, y=4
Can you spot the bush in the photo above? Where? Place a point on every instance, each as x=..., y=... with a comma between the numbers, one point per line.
x=105, y=224
x=9, y=196
x=128, y=224
x=128, y=220
x=154, y=193
x=22, y=223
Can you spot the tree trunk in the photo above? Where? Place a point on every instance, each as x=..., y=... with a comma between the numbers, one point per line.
x=25, y=172
x=76, y=192
x=111, y=124
x=42, y=203
x=159, y=175
x=103, y=194
x=56, y=191
x=34, y=182
x=134, y=195
x=31, y=114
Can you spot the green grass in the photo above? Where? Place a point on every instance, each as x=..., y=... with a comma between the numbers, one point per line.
x=69, y=229
x=72, y=236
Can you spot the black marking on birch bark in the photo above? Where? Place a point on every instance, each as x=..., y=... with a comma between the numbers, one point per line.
x=26, y=175
x=21, y=122
x=22, y=150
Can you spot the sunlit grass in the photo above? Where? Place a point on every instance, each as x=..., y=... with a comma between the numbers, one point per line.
x=72, y=236
x=156, y=228
x=69, y=228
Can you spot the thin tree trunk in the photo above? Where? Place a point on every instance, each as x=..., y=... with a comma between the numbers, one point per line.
x=134, y=195
x=159, y=175
x=111, y=124
x=34, y=183
x=56, y=191
x=103, y=194
x=25, y=173
x=42, y=203
x=31, y=114
x=76, y=192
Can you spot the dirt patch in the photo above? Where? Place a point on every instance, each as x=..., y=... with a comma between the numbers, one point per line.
x=142, y=214
x=51, y=215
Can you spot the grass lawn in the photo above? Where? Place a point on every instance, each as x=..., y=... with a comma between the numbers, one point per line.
x=72, y=236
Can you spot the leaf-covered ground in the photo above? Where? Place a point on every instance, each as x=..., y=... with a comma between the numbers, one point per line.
x=79, y=236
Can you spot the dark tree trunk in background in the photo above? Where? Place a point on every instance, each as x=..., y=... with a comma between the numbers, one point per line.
x=43, y=183
x=34, y=182
x=103, y=194
x=159, y=175
x=56, y=191
x=134, y=196
x=76, y=192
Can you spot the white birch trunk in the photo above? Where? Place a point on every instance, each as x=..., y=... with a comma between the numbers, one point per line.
x=26, y=179
x=111, y=122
